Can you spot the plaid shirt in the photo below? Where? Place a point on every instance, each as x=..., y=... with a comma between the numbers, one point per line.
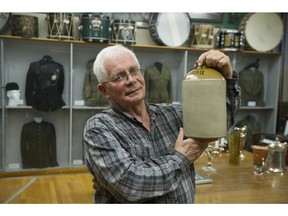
x=132, y=165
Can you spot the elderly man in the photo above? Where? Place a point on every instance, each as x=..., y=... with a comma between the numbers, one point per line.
x=137, y=152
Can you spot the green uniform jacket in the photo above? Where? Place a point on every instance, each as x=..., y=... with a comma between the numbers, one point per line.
x=158, y=85
x=252, y=87
x=91, y=95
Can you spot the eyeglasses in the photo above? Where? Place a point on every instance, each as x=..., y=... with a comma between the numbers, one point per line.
x=122, y=76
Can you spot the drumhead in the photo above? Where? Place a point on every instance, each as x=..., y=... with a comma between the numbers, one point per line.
x=264, y=31
x=170, y=29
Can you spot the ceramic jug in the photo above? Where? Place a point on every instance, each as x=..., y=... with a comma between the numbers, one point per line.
x=204, y=104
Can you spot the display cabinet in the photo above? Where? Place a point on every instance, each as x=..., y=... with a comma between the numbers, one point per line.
x=17, y=53
x=270, y=65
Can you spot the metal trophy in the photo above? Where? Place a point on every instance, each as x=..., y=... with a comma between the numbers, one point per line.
x=214, y=149
x=276, y=158
x=243, y=133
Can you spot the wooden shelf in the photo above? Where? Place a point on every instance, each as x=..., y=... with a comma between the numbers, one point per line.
x=138, y=46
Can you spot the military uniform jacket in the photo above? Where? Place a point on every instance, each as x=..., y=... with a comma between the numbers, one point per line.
x=91, y=95
x=158, y=85
x=252, y=87
x=38, y=145
x=44, y=85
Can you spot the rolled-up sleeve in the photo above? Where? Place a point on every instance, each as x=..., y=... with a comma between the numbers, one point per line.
x=233, y=98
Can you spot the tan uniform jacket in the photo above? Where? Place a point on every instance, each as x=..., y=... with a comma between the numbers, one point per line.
x=91, y=95
x=252, y=87
x=158, y=85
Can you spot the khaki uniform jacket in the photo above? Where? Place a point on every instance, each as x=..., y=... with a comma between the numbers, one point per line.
x=91, y=95
x=158, y=85
x=252, y=87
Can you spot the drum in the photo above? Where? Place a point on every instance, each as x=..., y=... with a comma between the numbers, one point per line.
x=124, y=31
x=24, y=26
x=95, y=27
x=60, y=26
x=262, y=31
x=203, y=36
x=169, y=29
x=4, y=19
x=231, y=39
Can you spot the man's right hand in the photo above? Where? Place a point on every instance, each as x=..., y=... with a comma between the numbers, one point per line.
x=191, y=148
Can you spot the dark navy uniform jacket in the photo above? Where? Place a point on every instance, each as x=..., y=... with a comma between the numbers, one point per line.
x=38, y=145
x=44, y=85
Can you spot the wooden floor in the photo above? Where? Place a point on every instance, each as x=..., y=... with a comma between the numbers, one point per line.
x=60, y=188
x=231, y=185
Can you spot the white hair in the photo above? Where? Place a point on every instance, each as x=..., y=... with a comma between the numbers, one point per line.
x=110, y=51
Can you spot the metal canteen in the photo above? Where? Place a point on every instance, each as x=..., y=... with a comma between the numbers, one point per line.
x=276, y=159
x=204, y=104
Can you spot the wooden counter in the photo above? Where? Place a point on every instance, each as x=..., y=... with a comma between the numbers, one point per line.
x=237, y=184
